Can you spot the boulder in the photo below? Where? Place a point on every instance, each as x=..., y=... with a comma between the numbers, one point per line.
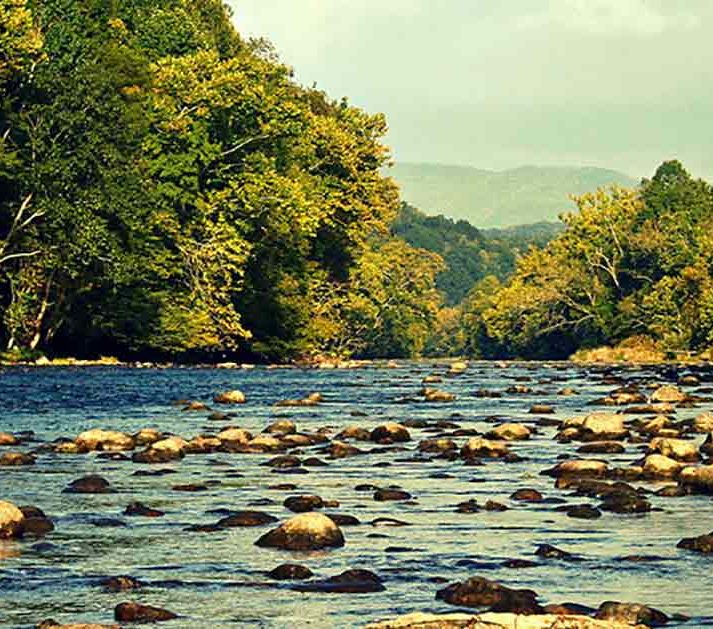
x=290, y=572
x=11, y=520
x=163, y=451
x=16, y=459
x=482, y=593
x=386, y=495
x=668, y=394
x=509, y=432
x=602, y=427
x=135, y=612
x=580, y=468
x=677, y=449
x=527, y=495
x=6, y=439
x=36, y=523
x=245, y=518
x=701, y=544
x=441, y=444
x=107, y=440
x=282, y=426
x=303, y=504
x=697, y=479
x=91, y=484
x=234, y=435
x=349, y=582
x=307, y=531
x=390, y=433
x=230, y=397
x=658, y=466
x=436, y=395
x=147, y=436
x=632, y=613
x=341, y=450
x=478, y=447
x=355, y=432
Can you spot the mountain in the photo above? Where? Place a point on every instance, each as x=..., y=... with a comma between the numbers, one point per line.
x=530, y=194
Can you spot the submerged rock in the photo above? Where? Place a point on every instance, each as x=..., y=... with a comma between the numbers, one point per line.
x=16, y=459
x=631, y=613
x=140, y=509
x=701, y=544
x=390, y=433
x=485, y=594
x=302, y=504
x=135, y=612
x=121, y=583
x=290, y=572
x=307, y=531
x=91, y=484
x=349, y=582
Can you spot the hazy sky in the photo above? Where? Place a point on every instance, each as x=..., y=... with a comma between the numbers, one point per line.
x=499, y=83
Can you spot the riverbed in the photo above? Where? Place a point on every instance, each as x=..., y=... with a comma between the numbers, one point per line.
x=219, y=578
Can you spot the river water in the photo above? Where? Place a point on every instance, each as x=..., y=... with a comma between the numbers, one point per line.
x=218, y=579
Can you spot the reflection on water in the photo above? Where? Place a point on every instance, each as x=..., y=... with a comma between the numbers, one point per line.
x=217, y=579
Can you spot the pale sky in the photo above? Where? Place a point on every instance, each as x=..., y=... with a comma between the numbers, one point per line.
x=496, y=84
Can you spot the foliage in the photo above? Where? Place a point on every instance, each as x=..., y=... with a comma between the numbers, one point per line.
x=470, y=254
x=629, y=263
x=167, y=188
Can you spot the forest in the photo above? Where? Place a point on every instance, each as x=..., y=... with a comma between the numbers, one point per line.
x=168, y=190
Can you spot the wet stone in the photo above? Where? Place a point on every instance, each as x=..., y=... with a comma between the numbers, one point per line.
x=290, y=572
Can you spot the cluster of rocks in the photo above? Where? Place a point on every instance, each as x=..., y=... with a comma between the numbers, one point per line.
x=669, y=452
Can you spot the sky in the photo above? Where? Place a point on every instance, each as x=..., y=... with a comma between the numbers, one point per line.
x=496, y=84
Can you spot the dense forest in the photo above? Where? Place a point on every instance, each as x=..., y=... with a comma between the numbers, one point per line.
x=633, y=266
x=168, y=190
x=470, y=254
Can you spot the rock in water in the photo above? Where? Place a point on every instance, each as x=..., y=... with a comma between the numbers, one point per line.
x=11, y=520
x=390, y=433
x=485, y=594
x=307, y=531
x=349, y=582
x=110, y=440
x=631, y=613
x=701, y=544
x=290, y=572
x=230, y=397
x=135, y=612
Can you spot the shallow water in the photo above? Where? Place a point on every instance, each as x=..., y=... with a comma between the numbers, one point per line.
x=218, y=579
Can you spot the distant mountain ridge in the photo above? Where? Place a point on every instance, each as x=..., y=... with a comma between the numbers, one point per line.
x=525, y=195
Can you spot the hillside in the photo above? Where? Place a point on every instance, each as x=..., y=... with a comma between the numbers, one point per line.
x=485, y=198
x=470, y=254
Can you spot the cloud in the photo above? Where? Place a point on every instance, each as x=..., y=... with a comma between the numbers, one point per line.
x=610, y=17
